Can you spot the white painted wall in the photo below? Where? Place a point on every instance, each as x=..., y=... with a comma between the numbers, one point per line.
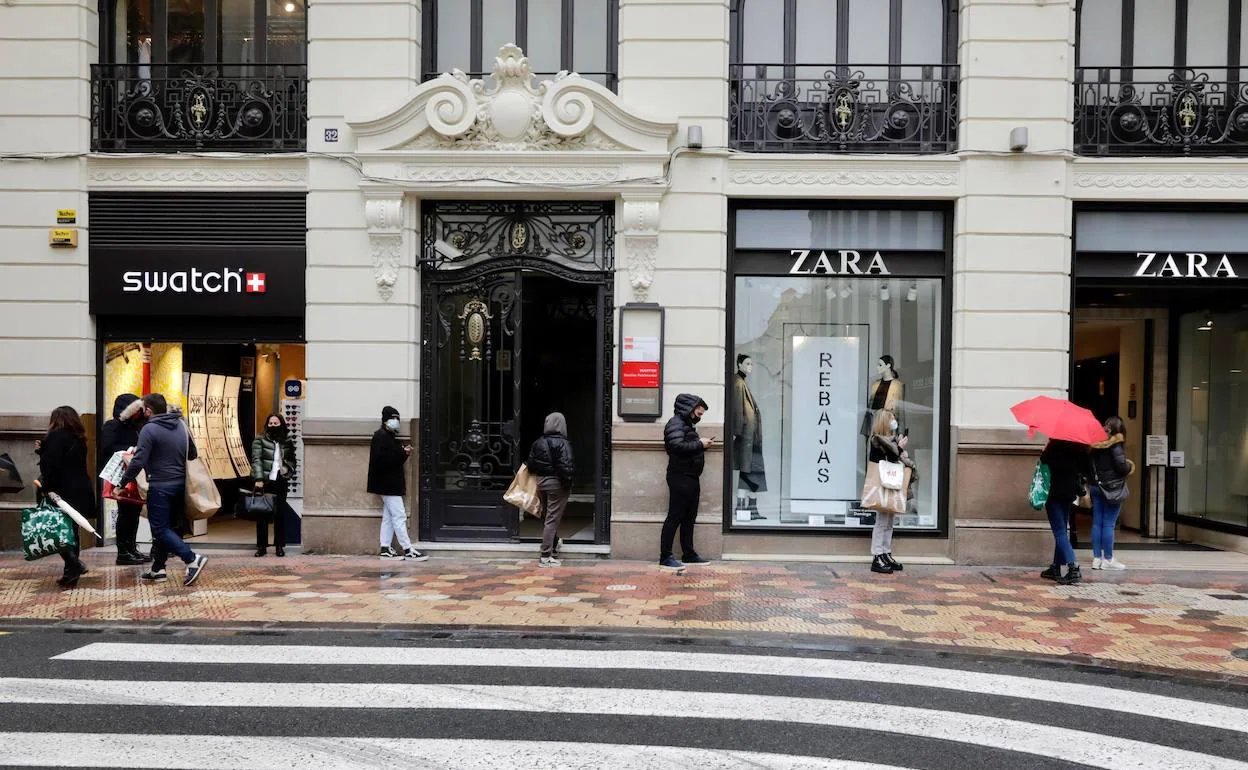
x=47, y=349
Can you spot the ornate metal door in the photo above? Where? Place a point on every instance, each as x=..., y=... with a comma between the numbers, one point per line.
x=475, y=259
x=475, y=420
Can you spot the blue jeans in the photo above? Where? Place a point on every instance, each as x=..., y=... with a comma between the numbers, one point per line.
x=166, y=504
x=1104, y=519
x=1059, y=522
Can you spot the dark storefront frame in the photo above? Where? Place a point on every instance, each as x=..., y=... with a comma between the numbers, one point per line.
x=944, y=396
x=1181, y=296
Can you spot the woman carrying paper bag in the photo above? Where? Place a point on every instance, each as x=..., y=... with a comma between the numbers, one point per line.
x=890, y=485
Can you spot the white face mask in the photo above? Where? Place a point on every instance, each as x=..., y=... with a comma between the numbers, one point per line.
x=893, y=426
x=393, y=424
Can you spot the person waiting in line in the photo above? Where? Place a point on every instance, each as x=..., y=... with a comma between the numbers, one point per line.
x=121, y=434
x=1109, y=460
x=272, y=467
x=550, y=459
x=386, y=458
x=887, y=446
x=686, y=457
x=1069, y=465
x=63, y=470
x=164, y=447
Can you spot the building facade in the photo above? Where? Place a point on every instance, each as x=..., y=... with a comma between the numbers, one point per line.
x=479, y=212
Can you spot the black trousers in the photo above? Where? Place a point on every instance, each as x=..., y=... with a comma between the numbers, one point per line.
x=682, y=511
x=127, y=526
x=279, y=489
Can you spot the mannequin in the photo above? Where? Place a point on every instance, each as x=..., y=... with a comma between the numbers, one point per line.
x=887, y=391
x=747, y=441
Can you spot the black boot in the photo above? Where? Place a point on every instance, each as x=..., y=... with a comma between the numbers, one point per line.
x=1053, y=572
x=896, y=565
x=127, y=556
x=1072, y=576
x=880, y=564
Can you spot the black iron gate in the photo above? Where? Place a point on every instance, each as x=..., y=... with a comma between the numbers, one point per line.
x=477, y=260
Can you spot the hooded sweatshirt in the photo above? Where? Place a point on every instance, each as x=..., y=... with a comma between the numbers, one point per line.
x=685, y=454
x=164, y=447
x=121, y=432
x=551, y=455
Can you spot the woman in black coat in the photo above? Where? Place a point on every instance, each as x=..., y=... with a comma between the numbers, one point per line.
x=1070, y=464
x=1109, y=458
x=121, y=434
x=63, y=470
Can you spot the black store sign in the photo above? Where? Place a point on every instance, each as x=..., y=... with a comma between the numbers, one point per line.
x=1187, y=266
x=152, y=281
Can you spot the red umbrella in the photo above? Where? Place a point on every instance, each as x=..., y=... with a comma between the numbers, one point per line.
x=1059, y=419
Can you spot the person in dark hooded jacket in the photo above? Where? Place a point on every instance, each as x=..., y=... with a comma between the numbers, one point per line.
x=63, y=470
x=550, y=459
x=1109, y=459
x=121, y=434
x=1069, y=465
x=686, y=457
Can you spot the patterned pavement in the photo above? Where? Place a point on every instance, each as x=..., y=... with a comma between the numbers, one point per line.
x=1191, y=621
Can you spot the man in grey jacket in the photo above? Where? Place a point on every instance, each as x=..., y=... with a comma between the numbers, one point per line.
x=164, y=447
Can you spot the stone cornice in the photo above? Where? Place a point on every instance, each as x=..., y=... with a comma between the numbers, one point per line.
x=128, y=173
x=798, y=176
x=1168, y=179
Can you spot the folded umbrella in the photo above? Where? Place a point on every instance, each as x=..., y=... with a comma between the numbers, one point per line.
x=1059, y=419
x=69, y=511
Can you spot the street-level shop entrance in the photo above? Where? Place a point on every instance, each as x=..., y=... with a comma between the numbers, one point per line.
x=1160, y=338
x=517, y=303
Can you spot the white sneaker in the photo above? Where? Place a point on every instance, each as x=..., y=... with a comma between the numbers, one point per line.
x=549, y=561
x=1096, y=563
x=1112, y=564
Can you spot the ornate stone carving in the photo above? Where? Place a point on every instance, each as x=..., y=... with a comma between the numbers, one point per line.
x=512, y=173
x=845, y=177
x=206, y=175
x=385, y=241
x=1161, y=181
x=512, y=112
x=640, y=228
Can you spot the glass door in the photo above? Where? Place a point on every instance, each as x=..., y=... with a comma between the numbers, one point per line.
x=1212, y=417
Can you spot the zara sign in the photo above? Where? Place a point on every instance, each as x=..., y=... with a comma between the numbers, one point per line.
x=1179, y=266
x=1189, y=265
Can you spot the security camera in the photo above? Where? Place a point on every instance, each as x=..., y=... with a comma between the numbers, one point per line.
x=447, y=250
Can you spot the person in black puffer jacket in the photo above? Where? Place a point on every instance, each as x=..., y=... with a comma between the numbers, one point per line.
x=1109, y=459
x=121, y=434
x=550, y=459
x=1069, y=464
x=63, y=470
x=686, y=456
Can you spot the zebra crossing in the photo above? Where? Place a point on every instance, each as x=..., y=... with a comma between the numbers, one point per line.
x=255, y=703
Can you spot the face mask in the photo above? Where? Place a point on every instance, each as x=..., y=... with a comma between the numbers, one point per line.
x=273, y=431
x=695, y=419
x=393, y=424
x=893, y=426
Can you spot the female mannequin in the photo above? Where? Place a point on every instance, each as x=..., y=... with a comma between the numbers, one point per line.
x=887, y=391
x=747, y=441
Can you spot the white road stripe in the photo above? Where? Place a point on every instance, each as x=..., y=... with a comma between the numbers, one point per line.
x=214, y=752
x=1093, y=696
x=1106, y=752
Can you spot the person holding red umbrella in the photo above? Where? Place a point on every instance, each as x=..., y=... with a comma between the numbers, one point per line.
x=1071, y=430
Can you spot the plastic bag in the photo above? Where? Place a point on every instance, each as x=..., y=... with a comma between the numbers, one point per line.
x=46, y=530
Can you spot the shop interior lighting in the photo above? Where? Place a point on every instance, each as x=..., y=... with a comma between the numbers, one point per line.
x=1207, y=326
x=846, y=291
x=913, y=294
x=290, y=8
x=884, y=295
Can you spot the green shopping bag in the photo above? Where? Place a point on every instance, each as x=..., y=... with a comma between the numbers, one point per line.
x=45, y=531
x=1040, y=482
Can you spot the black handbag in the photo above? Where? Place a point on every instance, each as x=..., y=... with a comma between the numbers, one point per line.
x=10, y=479
x=255, y=507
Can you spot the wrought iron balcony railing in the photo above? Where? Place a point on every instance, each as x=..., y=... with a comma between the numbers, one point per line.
x=1160, y=111
x=172, y=107
x=899, y=108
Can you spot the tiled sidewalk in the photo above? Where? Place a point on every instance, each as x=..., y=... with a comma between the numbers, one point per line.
x=1173, y=620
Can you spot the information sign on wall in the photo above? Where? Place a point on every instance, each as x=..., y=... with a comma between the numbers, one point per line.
x=641, y=362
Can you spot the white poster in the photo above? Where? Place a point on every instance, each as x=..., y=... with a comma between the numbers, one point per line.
x=824, y=413
x=233, y=428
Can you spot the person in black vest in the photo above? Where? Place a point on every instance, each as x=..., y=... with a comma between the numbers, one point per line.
x=386, y=458
x=63, y=470
x=686, y=456
x=121, y=434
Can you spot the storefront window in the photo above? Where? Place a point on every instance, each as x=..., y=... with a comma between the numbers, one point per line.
x=818, y=355
x=1213, y=417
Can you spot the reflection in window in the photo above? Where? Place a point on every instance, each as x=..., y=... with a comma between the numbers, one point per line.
x=573, y=35
x=809, y=379
x=1213, y=417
